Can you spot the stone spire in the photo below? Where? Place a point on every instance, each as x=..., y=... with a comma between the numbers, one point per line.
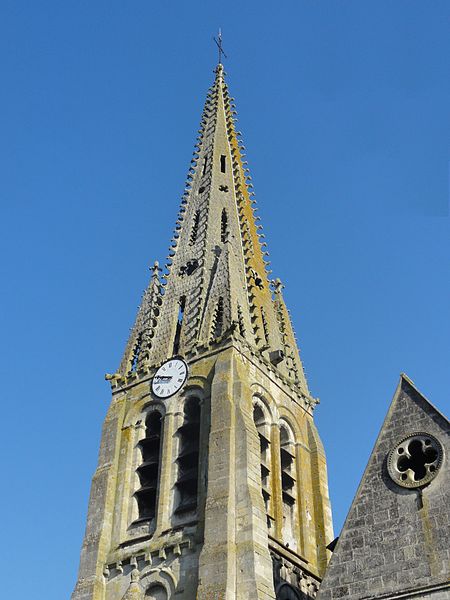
x=140, y=341
x=216, y=281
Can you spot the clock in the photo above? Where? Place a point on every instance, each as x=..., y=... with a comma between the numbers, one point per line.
x=169, y=378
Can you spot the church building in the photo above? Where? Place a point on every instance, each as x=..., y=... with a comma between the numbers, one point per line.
x=212, y=480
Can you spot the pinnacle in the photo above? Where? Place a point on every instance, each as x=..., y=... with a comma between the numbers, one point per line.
x=155, y=269
x=140, y=340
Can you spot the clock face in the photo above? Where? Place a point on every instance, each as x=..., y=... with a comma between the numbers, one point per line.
x=169, y=378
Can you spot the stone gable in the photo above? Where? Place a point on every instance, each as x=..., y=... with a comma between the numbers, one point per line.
x=395, y=541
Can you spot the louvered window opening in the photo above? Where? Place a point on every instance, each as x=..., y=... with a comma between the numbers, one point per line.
x=188, y=457
x=288, y=486
x=264, y=449
x=148, y=471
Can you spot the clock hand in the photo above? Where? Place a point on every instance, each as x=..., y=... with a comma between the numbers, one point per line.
x=165, y=378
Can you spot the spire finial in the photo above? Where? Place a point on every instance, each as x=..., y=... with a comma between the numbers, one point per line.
x=219, y=46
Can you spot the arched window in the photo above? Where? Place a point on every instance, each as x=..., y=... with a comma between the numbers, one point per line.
x=156, y=592
x=188, y=457
x=288, y=487
x=264, y=448
x=148, y=470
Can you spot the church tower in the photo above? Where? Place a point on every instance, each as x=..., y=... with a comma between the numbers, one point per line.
x=211, y=482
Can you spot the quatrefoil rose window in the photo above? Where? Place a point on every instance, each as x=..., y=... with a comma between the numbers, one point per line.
x=416, y=460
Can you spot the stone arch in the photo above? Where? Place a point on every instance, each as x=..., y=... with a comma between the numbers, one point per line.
x=156, y=592
x=265, y=397
x=287, y=436
x=296, y=425
x=198, y=382
x=259, y=416
x=195, y=389
x=153, y=407
x=158, y=581
x=260, y=402
x=144, y=404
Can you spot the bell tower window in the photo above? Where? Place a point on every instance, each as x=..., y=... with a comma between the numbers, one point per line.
x=264, y=449
x=188, y=457
x=148, y=471
x=288, y=487
x=223, y=164
x=156, y=592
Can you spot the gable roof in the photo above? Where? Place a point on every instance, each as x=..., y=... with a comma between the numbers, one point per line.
x=395, y=540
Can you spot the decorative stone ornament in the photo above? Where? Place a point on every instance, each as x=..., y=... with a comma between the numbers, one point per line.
x=415, y=460
x=134, y=591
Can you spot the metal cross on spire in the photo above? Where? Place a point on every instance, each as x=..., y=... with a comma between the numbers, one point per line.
x=219, y=45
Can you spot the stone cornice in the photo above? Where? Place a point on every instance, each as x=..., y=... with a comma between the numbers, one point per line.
x=124, y=383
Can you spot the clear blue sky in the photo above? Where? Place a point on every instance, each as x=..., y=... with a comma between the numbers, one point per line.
x=344, y=107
